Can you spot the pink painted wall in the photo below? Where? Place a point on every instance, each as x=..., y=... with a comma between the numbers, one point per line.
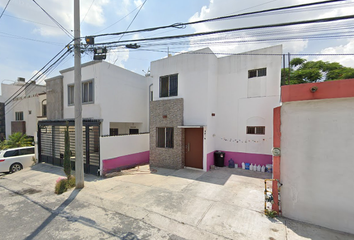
x=239, y=157
x=125, y=161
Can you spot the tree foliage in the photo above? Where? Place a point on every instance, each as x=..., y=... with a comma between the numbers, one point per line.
x=16, y=140
x=303, y=71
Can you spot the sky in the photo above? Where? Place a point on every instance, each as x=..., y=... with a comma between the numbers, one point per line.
x=29, y=38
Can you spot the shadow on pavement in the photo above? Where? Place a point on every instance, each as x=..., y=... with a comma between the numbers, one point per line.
x=217, y=176
x=56, y=170
x=310, y=231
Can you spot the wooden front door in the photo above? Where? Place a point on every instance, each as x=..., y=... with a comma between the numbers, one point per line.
x=194, y=147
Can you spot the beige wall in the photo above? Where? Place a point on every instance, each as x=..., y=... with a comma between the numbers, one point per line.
x=317, y=166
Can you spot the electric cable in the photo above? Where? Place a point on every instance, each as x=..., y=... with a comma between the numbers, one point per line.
x=183, y=25
x=130, y=25
x=322, y=20
x=55, y=21
x=7, y=4
x=66, y=47
x=88, y=10
x=48, y=70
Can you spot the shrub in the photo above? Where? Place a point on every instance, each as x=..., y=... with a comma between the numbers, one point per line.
x=63, y=184
x=270, y=213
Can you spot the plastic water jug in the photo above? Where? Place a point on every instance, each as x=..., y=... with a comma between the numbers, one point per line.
x=258, y=168
x=243, y=165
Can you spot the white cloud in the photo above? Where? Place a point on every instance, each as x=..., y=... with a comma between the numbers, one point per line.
x=138, y=3
x=118, y=56
x=228, y=7
x=61, y=11
x=341, y=49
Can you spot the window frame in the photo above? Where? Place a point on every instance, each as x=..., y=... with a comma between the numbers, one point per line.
x=169, y=94
x=113, y=131
x=166, y=142
x=19, y=116
x=255, y=130
x=71, y=96
x=92, y=92
x=256, y=72
x=44, y=108
x=90, y=100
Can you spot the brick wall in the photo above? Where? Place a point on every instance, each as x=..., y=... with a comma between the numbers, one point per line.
x=18, y=126
x=167, y=113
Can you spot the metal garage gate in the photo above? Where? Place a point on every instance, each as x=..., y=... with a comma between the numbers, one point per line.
x=51, y=143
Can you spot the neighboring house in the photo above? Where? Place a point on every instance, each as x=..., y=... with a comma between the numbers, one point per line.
x=114, y=103
x=22, y=113
x=315, y=133
x=202, y=103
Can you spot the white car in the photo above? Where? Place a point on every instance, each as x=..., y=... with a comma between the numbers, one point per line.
x=15, y=159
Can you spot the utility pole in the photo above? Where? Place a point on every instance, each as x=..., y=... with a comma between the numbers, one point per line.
x=79, y=165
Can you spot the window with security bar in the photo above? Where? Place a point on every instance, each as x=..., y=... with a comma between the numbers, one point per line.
x=258, y=130
x=257, y=72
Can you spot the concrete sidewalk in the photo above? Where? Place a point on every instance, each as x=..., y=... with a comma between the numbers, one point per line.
x=143, y=204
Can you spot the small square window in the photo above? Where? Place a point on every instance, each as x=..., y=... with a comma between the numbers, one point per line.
x=165, y=137
x=19, y=116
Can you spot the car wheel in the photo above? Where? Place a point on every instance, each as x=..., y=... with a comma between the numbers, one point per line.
x=15, y=167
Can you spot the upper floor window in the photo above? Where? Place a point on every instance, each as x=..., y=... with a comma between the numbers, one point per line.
x=70, y=94
x=87, y=92
x=19, y=116
x=257, y=72
x=44, y=108
x=169, y=85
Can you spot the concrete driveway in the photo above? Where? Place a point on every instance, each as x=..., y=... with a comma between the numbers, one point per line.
x=145, y=204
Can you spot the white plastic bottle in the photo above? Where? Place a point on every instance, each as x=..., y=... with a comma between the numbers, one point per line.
x=258, y=168
x=243, y=165
x=255, y=167
x=263, y=169
x=251, y=167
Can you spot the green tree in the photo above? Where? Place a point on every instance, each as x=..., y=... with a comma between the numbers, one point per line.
x=16, y=140
x=67, y=163
x=303, y=71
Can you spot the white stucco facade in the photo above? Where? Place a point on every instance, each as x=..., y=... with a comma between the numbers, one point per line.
x=120, y=97
x=219, y=95
x=28, y=102
x=316, y=162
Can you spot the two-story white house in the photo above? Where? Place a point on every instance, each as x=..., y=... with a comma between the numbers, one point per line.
x=25, y=105
x=202, y=103
x=114, y=102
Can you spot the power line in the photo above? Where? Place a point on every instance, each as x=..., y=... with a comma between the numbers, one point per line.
x=130, y=25
x=183, y=25
x=3, y=34
x=120, y=19
x=27, y=20
x=7, y=4
x=322, y=20
x=55, y=21
x=48, y=70
x=88, y=11
x=19, y=91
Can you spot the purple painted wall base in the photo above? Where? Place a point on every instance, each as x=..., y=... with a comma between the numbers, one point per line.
x=239, y=157
x=125, y=161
